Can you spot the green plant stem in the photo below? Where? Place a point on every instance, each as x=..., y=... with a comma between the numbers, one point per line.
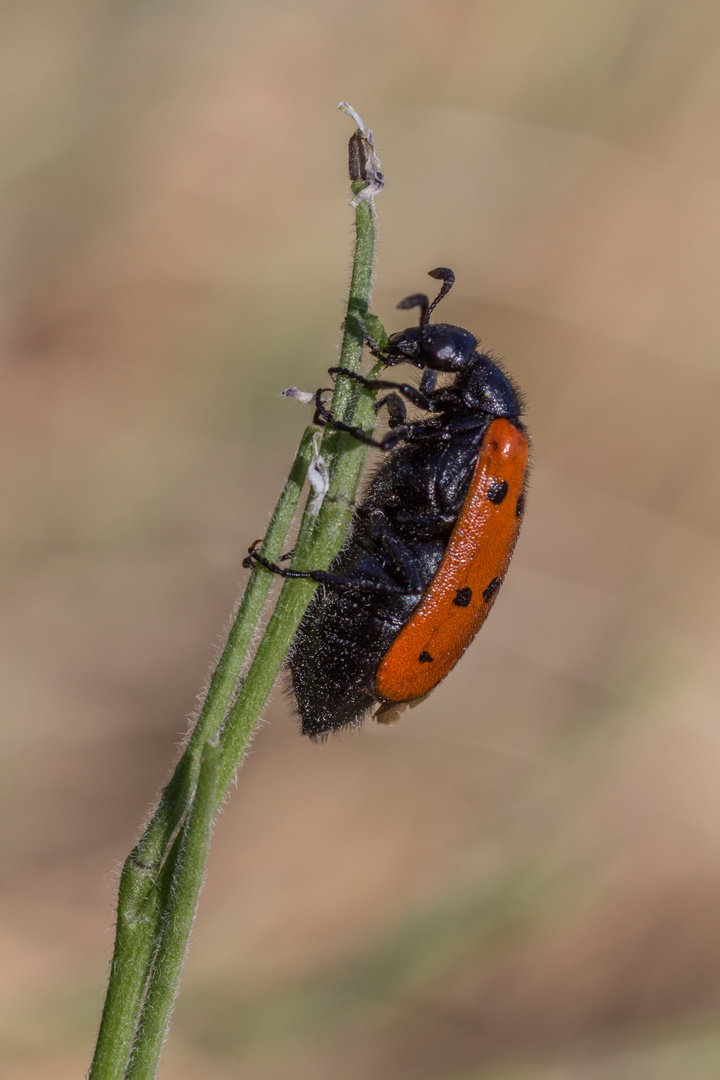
x=139, y=892
x=176, y=795
x=160, y=882
x=320, y=537
x=186, y=885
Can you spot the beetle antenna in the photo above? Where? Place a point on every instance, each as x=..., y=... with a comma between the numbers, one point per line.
x=448, y=280
x=420, y=299
x=417, y=300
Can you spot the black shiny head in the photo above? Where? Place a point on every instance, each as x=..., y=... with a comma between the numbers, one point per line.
x=480, y=384
x=441, y=346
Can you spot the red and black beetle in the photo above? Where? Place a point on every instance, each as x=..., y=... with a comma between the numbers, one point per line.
x=431, y=541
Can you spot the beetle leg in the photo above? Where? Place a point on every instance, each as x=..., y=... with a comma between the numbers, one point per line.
x=428, y=381
x=413, y=395
x=397, y=413
x=404, y=563
x=324, y=416
x=322, y=577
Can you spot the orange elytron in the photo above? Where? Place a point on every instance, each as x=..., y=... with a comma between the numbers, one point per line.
x=463, y=590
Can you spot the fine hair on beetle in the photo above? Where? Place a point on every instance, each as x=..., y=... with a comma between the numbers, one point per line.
x=431, y=538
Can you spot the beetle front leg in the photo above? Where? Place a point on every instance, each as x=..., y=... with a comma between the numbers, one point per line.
x=413, y=395
x=324, y=416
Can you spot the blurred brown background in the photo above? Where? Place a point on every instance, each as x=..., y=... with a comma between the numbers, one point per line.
x=522, y=879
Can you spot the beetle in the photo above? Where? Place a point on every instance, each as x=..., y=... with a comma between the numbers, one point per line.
x=429, y=544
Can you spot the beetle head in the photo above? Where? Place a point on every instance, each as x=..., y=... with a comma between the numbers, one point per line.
x=441, y=346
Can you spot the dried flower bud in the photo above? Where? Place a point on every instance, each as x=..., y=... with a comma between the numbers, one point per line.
x=318, y=476
x=302, y=396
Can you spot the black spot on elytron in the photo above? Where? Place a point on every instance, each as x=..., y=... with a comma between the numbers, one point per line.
x=497, y=491
x=520, y=508
x=425, y=658
x=491, y=589
x=463, y=597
